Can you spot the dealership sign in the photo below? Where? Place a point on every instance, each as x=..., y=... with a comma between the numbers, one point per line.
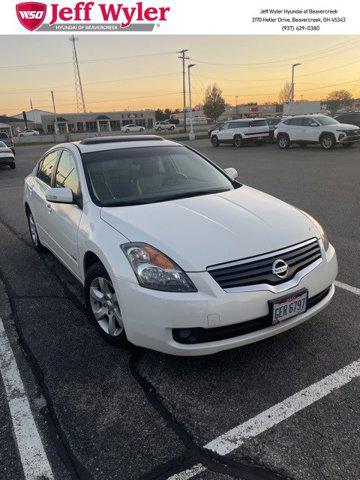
x=32, y=14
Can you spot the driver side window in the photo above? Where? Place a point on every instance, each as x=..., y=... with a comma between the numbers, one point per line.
x=66, y=174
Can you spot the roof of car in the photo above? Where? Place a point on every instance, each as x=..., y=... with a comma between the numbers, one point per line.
x=97, y=144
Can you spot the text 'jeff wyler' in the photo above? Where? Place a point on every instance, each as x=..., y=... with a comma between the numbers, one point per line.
x=115, y=12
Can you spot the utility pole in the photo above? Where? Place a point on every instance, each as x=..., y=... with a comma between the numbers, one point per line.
x=80, y=102
x=293, y=81
x=31, y=105
x=183, y=58
x=236, y=107
x=191, y=134
x=56, y=128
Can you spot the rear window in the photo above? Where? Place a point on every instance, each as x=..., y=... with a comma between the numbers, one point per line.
x=258, y=123
x=239, y=124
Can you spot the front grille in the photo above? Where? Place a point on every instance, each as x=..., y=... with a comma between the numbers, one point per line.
x=190, y=336
x=352, y=133
x=255, y=272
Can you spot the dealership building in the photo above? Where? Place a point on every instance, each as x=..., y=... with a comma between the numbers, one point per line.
x=97, y=121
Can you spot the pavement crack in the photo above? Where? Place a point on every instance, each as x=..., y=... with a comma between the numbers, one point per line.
x=247, y=470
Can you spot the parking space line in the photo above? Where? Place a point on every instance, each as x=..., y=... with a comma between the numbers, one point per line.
x=234, y=438
x=347, y=287
x=31, y=450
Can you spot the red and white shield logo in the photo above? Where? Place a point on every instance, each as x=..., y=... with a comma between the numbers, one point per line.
x=31, y=14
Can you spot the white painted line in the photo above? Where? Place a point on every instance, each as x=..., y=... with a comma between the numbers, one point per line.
x=347, y=287
x=191, y=472
x=235, y=437
x=32, y=454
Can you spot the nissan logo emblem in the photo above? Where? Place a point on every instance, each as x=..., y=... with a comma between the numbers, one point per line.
x=280, y=268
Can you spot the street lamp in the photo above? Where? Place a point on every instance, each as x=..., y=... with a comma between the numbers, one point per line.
x=236, y=107
x=292, y=81
x=191, y=134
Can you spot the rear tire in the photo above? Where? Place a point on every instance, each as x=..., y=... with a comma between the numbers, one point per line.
x=327, y=141
x=215, y=141
x=12, y=165
x=103, y=307
x=283, y=141
x=237, y=141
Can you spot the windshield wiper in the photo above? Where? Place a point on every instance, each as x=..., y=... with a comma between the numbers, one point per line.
x=195, y=193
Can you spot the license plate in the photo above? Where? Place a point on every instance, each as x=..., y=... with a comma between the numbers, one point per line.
x=287, y=307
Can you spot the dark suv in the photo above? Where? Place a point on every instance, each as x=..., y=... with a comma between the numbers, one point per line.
x=353, y=118
x=4, y=137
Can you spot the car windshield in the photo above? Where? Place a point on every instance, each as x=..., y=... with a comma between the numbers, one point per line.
x=133, y=176
x=326, y=120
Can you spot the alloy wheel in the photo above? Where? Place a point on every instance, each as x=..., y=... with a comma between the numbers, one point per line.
x=105, y=306
x=33, y=231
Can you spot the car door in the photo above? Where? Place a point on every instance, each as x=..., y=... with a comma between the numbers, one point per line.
x=65, y=218
x=223, y=133
x=295, y=128
x=310, y=130
x=36, y=192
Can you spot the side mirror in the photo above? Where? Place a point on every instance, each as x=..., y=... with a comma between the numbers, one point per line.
x=313, y=124
x=59, y=195
x=232, y=173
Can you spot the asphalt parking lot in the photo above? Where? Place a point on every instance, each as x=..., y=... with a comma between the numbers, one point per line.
x=107, y=414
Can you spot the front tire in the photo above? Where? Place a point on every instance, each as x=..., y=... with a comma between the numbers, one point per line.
x=33, y=232
x=327, y=141
x=215, y=141
x=283, y=141
x=103, y=306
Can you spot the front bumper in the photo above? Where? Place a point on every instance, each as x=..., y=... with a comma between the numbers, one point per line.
x=6, y=160
x=151, y=316
x=349, y=138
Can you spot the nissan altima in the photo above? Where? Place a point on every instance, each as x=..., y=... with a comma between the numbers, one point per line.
x=174, y=253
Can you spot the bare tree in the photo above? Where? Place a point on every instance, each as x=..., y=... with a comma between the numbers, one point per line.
x=285, y=93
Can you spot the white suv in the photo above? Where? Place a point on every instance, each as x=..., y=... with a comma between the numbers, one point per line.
x=241, y=131
x=164, y=126
x=315, y=129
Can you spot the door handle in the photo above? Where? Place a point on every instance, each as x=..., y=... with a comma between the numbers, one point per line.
x=49, y=207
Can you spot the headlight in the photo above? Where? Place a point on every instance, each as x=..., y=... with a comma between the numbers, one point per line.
x=155, y=270
x=320, y=230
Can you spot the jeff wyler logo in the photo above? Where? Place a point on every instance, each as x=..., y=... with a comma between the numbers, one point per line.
x=32, y=14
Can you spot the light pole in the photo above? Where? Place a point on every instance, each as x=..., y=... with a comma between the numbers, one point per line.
x=183, y=58
x=191, y=134
x=236, y=107
x=292, y=80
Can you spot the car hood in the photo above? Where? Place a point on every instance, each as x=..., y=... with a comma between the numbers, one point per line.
x=343, y=126
x=197, y=232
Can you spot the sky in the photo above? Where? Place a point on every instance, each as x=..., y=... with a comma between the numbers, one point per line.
x=134, y=72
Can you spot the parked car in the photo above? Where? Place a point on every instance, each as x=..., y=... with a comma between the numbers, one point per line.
x=352, y=118
x=174, y=253
x=238, y=132
x=216, y=126
x=7, y=156
x=132, y=128
x=164, y=126
x=272, y=122
x=312, y=129
x=8, y=140
x=28, y=133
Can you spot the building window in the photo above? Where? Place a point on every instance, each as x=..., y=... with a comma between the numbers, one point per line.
x=80, y=126
x=91, y=126
x=115, y=124
x=50, y=129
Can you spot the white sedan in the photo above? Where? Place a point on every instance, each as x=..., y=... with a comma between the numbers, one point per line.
x=29, y=133
x=174, y=253
x=132, y=128
x=7, y=156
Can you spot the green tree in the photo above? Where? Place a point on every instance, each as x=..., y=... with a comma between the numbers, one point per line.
x=214, y=104
x=338, y=99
